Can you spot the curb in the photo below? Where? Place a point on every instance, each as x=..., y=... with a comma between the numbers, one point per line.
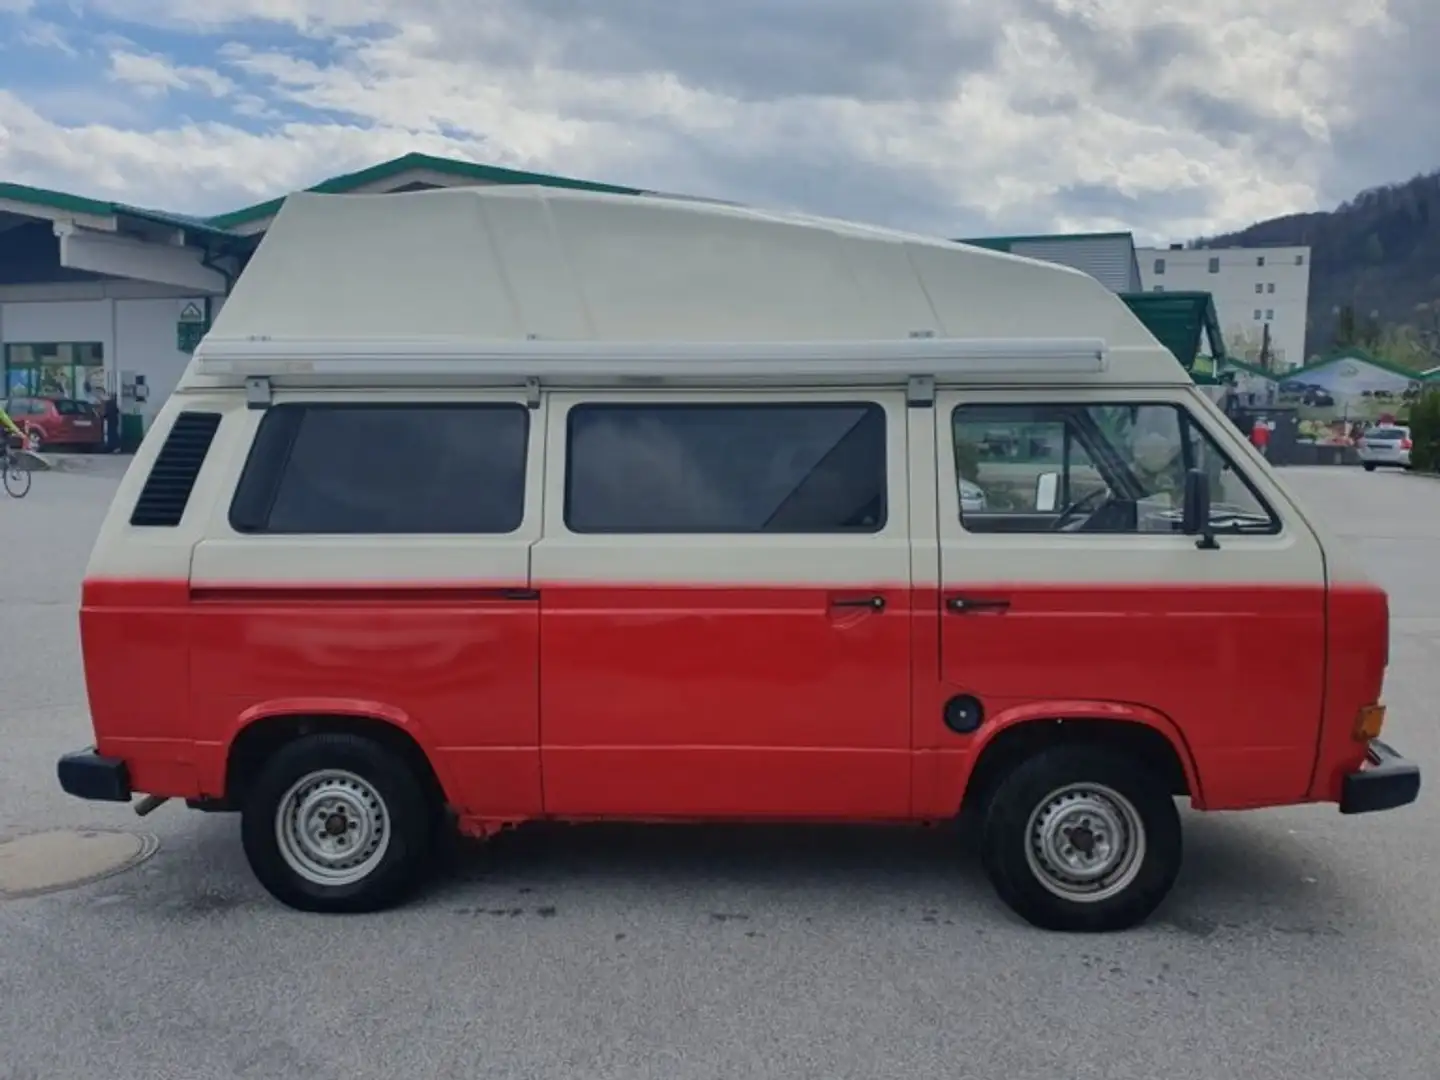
x=66, y=463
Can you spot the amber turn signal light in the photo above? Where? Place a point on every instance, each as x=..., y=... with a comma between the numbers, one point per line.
x=1368, y=722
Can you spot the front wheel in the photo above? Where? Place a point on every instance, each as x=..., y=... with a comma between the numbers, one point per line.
x=337, y=823
x=1081, y=839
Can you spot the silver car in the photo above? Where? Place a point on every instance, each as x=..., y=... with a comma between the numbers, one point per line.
x=1387, y=446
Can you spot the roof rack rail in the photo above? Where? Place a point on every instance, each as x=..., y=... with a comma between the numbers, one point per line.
x=315, y=362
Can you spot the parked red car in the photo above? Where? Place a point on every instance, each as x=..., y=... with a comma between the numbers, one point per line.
x=57, y=423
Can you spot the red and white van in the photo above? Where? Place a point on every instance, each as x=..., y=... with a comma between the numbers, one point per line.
x=517, y=504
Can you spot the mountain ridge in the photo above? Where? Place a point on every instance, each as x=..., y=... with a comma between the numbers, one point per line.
x=1374, y=268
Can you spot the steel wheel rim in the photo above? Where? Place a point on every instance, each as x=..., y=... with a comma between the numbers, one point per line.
x=333, y=828
x=1085, y=843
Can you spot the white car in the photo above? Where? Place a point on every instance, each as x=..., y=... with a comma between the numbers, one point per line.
x=1388, y=446
x=972, y=498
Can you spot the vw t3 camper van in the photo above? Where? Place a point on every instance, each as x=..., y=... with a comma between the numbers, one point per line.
x=509, y=504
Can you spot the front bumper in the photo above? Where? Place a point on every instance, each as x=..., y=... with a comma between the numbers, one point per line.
x=1386, y=781
x=87, y=775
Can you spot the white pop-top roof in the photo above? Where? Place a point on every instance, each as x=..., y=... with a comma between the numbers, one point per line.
x=509, y=284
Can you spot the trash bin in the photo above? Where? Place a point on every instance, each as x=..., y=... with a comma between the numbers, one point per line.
x=132, y=430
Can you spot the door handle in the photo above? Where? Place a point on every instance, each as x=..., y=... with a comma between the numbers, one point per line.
x=874, y=603
x=963, y=605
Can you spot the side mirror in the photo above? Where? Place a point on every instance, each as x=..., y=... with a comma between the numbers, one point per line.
x=1196, y=513
x=1047, y=492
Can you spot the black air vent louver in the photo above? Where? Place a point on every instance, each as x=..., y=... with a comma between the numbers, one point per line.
x=167, y=488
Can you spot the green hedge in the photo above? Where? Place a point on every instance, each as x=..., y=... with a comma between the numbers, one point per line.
x=1425, y=432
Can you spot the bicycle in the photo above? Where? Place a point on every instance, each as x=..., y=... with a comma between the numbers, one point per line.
x=16, y=475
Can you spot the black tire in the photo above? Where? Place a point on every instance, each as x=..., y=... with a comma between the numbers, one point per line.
x=17, y=481
x=1146, y=807
x=1369, y=467
x=407, y=813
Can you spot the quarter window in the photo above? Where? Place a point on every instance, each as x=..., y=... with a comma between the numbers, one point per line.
x=1111, y=469
x=726, y=468
x=452, y=468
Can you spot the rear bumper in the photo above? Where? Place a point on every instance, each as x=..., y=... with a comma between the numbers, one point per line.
x=87, y=775
x=1386, y=781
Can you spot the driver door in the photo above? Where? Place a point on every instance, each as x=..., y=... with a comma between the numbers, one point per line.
x=1062, y=579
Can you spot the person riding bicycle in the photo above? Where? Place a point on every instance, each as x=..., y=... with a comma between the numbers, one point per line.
x=10, y=426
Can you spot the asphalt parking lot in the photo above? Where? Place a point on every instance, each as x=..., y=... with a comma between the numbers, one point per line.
x=1297, y=944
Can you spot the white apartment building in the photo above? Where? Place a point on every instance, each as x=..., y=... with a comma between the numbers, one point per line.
x=1252, y=288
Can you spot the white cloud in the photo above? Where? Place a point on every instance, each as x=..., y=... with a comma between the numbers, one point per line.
x=955, y=116
x=38, y=34
x=155, y=76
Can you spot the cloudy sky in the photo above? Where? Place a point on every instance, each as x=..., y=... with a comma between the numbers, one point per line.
x=958, y=117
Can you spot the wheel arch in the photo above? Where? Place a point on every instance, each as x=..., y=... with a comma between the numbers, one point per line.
x=1017, y=733
x=264, y=729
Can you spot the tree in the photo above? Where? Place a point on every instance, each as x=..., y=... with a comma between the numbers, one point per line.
x=1425, y=432
x=1346, y=333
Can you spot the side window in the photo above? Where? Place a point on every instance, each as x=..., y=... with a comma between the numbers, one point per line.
x=1001, y=454
x=726, y=468
x=386, y=469
x=1115, y=469
x=1235, y=505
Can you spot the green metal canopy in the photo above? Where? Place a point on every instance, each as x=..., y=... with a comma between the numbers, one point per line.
x=1181, y=320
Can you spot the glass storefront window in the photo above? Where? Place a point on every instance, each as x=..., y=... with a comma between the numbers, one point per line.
x=55, y=369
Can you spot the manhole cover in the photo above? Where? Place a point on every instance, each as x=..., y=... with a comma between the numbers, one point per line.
x=66, y=858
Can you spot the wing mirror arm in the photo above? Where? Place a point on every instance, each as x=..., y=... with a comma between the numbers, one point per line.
x=1197, y=510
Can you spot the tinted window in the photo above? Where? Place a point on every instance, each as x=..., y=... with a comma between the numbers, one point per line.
x=726, y=468
x=71, y=407
x=1116, y=469
x=445, y=468
x=1385, y=434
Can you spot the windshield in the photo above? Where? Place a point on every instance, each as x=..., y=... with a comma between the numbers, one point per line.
x=1389, y=434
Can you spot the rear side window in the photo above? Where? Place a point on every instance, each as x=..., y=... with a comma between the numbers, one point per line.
x=455, y=468
x=726, y=468
x=71, y=407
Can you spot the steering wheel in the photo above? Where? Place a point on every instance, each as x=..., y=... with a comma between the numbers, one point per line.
x=1086, y=503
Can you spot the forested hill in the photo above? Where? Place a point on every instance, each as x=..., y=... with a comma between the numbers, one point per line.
x=1378, y=253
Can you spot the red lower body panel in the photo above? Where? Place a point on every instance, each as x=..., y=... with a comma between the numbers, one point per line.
x=748, y=702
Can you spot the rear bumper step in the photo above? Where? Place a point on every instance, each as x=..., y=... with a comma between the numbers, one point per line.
x=87, y=775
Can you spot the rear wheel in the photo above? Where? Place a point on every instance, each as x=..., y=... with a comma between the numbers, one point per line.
x=17, y=479
x=34, y=440
x=1081, y=838
x=1369, y=467
x=338, y=823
